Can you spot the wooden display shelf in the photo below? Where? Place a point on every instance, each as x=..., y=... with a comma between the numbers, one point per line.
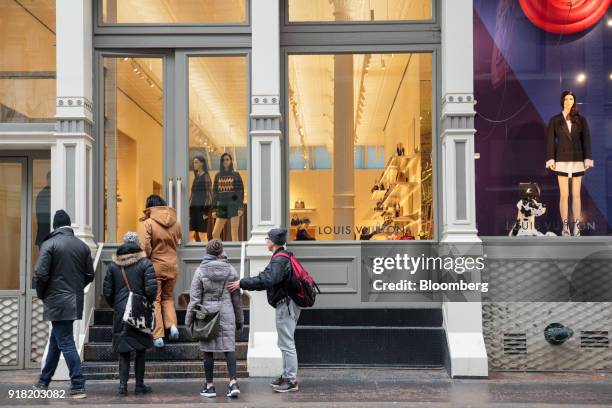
x=414, y=217
x=413, y=185
x=378, y=194
x=303, y=210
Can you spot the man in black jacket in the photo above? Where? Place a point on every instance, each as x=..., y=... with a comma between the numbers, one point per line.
x=274, y=279
x=63, y=269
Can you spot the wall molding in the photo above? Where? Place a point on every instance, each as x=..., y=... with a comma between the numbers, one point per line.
x=74, y=102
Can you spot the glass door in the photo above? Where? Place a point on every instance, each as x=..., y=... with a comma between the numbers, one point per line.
x=13, y=213
x=214, y=171
x=136, y=152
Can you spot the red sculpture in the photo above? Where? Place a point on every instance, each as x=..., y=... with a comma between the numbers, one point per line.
x=564, y=16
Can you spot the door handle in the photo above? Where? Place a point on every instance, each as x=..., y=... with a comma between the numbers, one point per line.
x=179, y=193
x=170, y=192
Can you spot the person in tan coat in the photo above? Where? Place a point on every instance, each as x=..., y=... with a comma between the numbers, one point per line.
x=162, y=235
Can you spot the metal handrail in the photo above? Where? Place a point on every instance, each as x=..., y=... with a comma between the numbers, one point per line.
x=89, y=304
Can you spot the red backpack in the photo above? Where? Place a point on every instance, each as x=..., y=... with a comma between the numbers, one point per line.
x=302, y=288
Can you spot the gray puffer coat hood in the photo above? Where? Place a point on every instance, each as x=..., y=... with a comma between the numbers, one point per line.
x=206, y=289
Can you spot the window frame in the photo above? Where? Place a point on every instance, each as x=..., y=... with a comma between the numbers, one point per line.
x=183, y=57
x=100, y=27
x=357, y=38
x=359, y=26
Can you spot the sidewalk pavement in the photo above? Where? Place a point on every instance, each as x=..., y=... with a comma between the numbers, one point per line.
x=367, y=387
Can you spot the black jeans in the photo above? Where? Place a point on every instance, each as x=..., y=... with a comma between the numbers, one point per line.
x=209, y=365
x=62, y=342
x=124, y=368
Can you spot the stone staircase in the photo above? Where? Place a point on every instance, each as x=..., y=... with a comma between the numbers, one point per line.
x=178, y=359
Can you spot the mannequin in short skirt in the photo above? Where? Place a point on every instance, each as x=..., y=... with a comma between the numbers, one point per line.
x=569, y=156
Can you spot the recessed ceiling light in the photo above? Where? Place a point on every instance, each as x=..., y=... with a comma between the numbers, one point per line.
x=610, y=76
x=610, y=22
x=581, y=77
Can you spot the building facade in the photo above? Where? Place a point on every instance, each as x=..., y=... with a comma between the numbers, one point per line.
x=351, y=123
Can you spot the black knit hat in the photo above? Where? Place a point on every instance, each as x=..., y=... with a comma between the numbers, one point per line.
x=278, y=236
x=214, y=247
x=61, y=219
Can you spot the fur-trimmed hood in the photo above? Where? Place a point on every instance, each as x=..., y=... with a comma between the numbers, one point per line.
x=129, y=259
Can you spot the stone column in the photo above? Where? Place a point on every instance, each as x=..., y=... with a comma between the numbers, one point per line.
x=72, y=154
x=462, y=320
x=343, y=166
x=264, y=357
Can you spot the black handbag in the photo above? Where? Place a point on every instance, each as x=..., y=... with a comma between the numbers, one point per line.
x=139, y=312
x=205, y=325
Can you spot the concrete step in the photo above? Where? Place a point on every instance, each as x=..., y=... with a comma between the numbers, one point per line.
x=104, y=334
x=371, y=317
x=160, y=370
x=171, y=352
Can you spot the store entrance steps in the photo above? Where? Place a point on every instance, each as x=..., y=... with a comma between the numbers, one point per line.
x=178, y=359
x=411, y=338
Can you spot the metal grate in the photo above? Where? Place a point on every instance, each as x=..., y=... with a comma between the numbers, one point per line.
x=596, y=339
x=515, y=343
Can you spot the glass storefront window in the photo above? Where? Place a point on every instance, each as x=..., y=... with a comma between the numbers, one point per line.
x=133, y=140
x=218, y=177
x=360, y=146
x=11, y=214
x=359, y=10
x=174, y=11
x=27, y=61
x=522, y=64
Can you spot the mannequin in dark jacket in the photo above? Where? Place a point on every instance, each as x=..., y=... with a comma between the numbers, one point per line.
x=63, y=269
x=568, y=155
x=126, y=339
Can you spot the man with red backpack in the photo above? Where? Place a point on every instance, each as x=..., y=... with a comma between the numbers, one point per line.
x=276, y=279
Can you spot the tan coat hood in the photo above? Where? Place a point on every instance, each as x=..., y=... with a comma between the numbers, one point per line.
x=164, y=216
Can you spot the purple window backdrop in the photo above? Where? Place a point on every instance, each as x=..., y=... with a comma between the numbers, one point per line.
x=520, y=72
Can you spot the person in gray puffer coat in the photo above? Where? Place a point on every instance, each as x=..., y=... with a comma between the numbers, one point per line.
x=209, y=288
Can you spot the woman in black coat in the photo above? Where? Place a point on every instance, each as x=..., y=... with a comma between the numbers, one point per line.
x=126, y=339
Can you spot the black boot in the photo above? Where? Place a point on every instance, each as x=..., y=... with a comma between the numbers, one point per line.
x=124, y=373
x=139, y=371
x=142, y=389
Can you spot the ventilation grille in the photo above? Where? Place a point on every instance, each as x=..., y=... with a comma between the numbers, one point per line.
x=515, y=344
x=594, y=339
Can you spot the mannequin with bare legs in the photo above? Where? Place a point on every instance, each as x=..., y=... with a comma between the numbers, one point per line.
x=569, y=156
x=228, y=190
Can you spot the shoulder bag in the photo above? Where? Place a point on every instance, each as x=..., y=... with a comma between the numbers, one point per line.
x=205, y=325
x=139, y=312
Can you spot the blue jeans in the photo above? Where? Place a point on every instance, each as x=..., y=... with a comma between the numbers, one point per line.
x=62, y=341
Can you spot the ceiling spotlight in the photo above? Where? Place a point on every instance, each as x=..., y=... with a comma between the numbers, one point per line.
x=610, y=22
x=610, y=76
x=581, y=77
x=126, y=58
